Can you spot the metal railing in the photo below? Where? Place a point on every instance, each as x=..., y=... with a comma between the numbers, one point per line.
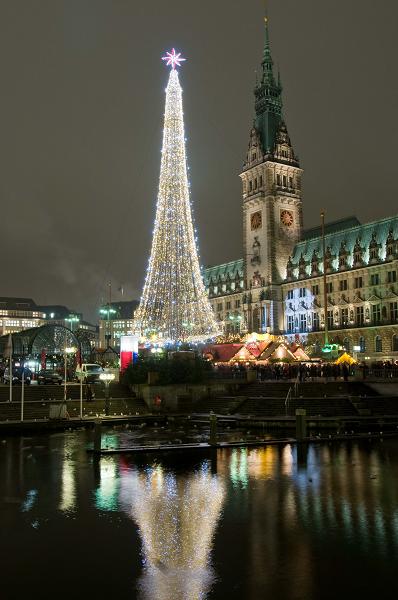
x=287, y=400
x=293, y=389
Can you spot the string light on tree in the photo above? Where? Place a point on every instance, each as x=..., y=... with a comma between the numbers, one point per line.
x=174, y=307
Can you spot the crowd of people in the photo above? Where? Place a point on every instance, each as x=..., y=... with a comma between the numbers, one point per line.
x=327, y=371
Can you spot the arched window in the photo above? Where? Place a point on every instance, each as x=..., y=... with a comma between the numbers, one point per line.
x=394, y=345
x=362, y=345
x=378, y=344
x=346, y=344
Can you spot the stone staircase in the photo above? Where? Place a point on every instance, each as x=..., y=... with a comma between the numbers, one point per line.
x=38, y=410
x=268, y=399
x=39, y=393
x=380, y=406
x=307, y=389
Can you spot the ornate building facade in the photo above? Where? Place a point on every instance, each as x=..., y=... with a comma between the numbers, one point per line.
x=278, y=285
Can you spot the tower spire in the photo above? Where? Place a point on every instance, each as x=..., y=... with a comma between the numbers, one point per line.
x=267, y=62
x=268, y=100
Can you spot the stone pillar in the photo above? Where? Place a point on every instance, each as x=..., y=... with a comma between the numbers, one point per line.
x=301, y=424
x=213, y=429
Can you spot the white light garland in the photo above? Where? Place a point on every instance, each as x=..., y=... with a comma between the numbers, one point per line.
x=174, y=306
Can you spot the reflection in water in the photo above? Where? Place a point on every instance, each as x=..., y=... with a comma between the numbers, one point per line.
x=106, y=494
x=29, y=501
x=176, y=516
x=68, y=491
x=300, y=522
x=68, y=484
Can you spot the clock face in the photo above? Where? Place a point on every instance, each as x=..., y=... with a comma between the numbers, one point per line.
x=256, y=220
x=287, y=218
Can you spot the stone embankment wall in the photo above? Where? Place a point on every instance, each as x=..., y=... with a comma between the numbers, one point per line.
x=179, y=397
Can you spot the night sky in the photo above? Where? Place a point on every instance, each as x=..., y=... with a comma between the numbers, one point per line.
x=81, y=108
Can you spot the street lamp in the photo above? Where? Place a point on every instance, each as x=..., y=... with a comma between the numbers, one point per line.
x=67, y=351
x=72, y=319
x=108, y=310
x=107, y=378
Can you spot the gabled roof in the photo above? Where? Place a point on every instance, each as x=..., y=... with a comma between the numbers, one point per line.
x=244, y=354
x=222, y=352
x=281, y=350
x=269, y=350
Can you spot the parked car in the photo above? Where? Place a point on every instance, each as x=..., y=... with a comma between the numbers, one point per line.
x=89, y=372
x=17, y=375
x=49, y=376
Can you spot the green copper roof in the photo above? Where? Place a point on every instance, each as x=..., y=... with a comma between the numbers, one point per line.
x=341, y=232
x=333, y=227
x=268, y=100
x=231, y=270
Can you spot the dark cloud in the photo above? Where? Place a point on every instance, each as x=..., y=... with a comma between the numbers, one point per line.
x=81, y=105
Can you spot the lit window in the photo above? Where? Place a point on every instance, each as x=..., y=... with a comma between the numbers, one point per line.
x=303, y=322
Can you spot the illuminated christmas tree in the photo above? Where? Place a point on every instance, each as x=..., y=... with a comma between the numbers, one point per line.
x=174, y=306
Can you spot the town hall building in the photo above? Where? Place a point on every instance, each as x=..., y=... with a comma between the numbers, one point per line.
x=278, y=285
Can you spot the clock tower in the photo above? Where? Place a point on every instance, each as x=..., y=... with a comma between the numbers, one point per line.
x=272, y=213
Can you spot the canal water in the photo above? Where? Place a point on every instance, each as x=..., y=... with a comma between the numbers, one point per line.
x=257, y=523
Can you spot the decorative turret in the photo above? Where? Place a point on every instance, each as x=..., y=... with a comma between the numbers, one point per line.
x=391, y=246
x=374, y=250
x=358, y=254
x=314, y=263
x=283, y=149
x=254, y=151
x=343, y=256
x=302, y=266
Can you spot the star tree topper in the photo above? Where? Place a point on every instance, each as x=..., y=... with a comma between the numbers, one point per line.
x=173, y=59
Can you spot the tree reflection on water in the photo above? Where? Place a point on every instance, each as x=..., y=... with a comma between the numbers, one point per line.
x=176, y=515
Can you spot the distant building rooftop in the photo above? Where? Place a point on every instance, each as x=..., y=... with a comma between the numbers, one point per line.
x=11, y=303
x=58, y=311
